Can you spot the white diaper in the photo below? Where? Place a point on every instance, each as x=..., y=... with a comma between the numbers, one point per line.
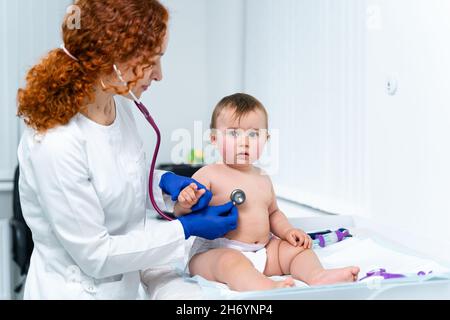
x=256, y=253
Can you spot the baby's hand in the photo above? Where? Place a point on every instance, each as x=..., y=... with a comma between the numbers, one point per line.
x=298, y=237
x=189, y=196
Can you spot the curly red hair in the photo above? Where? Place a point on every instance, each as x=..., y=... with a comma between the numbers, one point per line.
x=111, y=31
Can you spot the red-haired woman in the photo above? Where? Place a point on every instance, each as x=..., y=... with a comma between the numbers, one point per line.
x=83, y=176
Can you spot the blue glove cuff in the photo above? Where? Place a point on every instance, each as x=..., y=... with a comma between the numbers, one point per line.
x=187, y=233
x=162, y=182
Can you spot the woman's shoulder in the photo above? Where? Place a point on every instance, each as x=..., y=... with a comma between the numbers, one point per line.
x=56, y=140
x=59, y=152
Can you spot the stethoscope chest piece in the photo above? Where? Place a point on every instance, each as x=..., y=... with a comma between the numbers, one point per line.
x=238, y=197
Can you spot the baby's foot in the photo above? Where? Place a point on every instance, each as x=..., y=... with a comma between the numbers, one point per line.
x=286, y=283
x=332, y=276
x=264, y=283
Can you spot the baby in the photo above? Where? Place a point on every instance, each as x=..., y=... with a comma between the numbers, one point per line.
x=264, y=243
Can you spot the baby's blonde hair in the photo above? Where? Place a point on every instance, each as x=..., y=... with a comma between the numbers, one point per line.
x=243, y=105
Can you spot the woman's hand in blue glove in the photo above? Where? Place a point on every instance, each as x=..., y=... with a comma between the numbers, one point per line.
x=173, y=184
x=210, y=223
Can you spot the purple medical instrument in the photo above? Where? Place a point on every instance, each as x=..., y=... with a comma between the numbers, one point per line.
x=386, y=275
x=149, y=118
x=382, y=273
x=326, y=238
x=152, y=122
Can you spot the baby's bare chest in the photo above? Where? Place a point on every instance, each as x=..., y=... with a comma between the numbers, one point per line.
x=258, y=190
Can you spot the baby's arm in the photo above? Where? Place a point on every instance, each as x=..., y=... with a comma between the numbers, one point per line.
x=280, y=226
x=188, y=198
x=190, y=195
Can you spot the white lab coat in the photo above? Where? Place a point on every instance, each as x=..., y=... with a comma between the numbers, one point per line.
x=84, y=194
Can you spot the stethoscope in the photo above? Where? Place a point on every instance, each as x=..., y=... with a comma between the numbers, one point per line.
x=237, y=196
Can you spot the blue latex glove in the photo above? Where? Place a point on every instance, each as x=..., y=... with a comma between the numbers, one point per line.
x=210, y=223
x=173, y=184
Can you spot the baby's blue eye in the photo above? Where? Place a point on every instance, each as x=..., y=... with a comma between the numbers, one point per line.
x=253, y=134
x=233, y=133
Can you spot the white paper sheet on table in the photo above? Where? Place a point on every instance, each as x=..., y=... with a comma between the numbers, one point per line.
x=365, y=253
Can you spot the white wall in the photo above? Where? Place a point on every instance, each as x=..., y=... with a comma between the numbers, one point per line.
x=203, y=63
x=180, y=98
x=346, y=145
x=28, y=30
x=225, y=50
x=409, y=133
x=305, y=60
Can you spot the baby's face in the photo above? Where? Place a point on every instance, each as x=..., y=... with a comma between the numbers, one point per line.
x=240, y=142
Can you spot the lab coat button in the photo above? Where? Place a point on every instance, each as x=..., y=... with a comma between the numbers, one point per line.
x=89, y=286
x=73, y=269
x=73, y=274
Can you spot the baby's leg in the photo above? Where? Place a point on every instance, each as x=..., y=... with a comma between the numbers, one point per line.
x=303, y=264
x=234, y=269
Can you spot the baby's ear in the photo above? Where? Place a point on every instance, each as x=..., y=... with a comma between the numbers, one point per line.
x=266, y=131
x=213, y=137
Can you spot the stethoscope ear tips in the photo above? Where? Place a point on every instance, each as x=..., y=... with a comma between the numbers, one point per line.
x=238, y=197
